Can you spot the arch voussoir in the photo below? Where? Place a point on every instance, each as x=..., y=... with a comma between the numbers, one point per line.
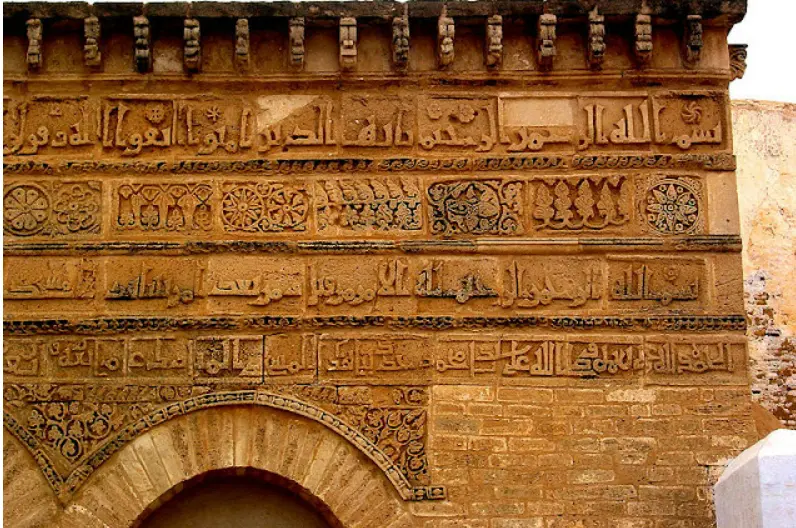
x=150, y=469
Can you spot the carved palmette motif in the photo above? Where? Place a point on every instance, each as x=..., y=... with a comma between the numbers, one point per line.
x=296, y=35
x=596, y=40
x=264, y=207
x=34, y=31
x=91, y=31
x=476, y=207
x=142, y=52
x=737, y=61
x=673, y=205
x=446, y=31
x=242, y=44
x=348, y=43
x=693, y=40
x=164, y=207
x=52, y=208
x=493, y=52
x=582, y=203
x=192, y=51
x=643, y=34
x=546, y=41
x=400, y=42
x=365, y=205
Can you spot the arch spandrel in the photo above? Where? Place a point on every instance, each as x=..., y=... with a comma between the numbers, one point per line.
x=134, y=478
x=219, y=439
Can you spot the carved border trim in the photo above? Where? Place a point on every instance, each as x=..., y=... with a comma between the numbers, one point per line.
x=65, y=487
x=719, y=243
x=713, y=162
x=112, y=325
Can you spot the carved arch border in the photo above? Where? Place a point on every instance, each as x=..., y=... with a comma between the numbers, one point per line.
x=66, y=487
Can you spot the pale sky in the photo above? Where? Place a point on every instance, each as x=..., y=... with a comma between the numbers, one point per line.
x=770, y=31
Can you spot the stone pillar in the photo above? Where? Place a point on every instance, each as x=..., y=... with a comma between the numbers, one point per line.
x=758, y=488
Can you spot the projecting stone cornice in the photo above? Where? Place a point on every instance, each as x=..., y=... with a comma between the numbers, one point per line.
x=724, y=11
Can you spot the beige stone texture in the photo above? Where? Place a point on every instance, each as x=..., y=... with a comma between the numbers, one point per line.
x=416, y=265
x=765, y=143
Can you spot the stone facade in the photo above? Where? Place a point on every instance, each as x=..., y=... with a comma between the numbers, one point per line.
x=471, y=264
x=766, y=148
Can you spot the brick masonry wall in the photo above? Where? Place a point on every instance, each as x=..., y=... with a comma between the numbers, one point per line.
x=765, y=144
x=576, y=457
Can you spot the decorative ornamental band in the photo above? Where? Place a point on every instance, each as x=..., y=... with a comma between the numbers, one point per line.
x=115, y=325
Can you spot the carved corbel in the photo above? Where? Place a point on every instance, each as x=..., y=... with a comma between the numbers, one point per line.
x=446, y=31
x=643, y=40
x=693, y=40
x=192, y=50
x=91, y=31
x=400, y=42
x=494, y=42
x=348, y=43
x=737, y=61
x=546, y=41
x=34, y=28
x=297, y=43
x=143, y=44
x=242, y=44
x=596, y=40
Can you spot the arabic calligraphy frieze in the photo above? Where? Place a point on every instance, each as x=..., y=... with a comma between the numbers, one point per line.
x=247, y=127
x=50, y=125
x=353, y=285
x=517, y=357
x=354, y=358
x=652, y=282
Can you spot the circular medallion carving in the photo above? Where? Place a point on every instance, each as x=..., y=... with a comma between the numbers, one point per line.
x=672, y=207
x=25, y=210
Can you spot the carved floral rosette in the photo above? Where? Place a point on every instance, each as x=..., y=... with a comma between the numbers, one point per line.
x=672, y=205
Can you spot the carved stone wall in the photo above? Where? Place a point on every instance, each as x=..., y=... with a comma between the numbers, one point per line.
x=434, y=265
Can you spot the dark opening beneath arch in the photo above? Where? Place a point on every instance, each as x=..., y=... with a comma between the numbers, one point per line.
x=237, y=498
